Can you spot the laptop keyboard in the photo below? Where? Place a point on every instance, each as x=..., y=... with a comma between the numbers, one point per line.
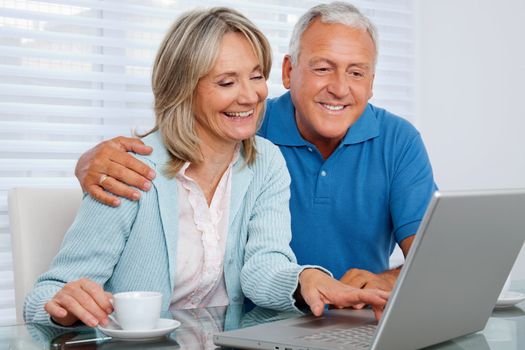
x=357, y=337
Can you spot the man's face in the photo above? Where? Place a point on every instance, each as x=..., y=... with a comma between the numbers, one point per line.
x=332, y=81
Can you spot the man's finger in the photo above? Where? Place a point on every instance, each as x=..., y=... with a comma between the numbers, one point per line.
x=102, y=196
x=356, y=282
x=117, y=170
x=138, y=166
x=116, y=187
x=134, y=145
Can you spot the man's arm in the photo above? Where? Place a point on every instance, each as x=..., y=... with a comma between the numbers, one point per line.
x=385, y=281
x=108, y=167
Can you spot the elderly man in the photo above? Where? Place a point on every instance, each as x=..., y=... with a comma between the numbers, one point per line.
x=361, y=178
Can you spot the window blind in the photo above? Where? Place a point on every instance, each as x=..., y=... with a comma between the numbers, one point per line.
x=76, y=72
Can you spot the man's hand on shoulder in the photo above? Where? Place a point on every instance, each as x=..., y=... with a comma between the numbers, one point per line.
x=108, y=167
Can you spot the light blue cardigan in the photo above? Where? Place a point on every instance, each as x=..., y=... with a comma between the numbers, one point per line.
x=133, y=246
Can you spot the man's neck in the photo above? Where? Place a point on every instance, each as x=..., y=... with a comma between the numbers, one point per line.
x=327, y=148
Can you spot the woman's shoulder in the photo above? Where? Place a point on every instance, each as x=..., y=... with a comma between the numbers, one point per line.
x=265, y=146
x=267, y=152
x=269, y=160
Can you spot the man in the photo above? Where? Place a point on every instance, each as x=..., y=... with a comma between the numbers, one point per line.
x=361, y=178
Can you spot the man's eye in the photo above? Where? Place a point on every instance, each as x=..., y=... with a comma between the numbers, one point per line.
x=357, y=74
x=322, y=69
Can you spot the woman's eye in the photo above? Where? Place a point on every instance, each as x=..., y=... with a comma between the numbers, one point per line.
x=225, y=83
x=257, y=77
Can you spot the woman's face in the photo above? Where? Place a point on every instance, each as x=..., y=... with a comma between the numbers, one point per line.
x=229, y=99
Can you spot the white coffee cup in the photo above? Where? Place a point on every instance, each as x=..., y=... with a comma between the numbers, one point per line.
x=137, y=310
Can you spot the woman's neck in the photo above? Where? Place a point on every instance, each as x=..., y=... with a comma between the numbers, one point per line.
x=208, y=173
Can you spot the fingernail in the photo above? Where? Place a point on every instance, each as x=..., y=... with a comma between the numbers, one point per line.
x=151, y=175
x=116, y=202
x=109, y=310
x=104, y=322
x=146, y=186
x=92, y=322
x=135, y=195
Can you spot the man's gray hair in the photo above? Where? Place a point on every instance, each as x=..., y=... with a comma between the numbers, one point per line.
x=334, y=12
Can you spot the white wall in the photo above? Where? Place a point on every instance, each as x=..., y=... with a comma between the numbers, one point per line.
x=470, y=93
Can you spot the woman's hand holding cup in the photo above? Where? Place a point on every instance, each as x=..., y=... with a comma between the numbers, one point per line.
x=82, y=300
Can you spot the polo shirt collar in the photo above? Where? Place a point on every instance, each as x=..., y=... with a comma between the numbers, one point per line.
x=287, y=134
x=366, y=127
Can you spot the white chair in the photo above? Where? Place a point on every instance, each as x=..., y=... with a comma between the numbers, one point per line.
x=38, y=220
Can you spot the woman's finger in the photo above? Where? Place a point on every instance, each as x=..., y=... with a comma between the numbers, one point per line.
x=73, y=307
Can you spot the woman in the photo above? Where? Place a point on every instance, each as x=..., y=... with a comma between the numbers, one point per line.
x=217, y=227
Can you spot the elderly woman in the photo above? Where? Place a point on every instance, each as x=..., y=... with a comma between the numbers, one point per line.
x=216, y=227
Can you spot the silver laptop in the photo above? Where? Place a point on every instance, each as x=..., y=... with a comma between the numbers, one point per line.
x=464, y=250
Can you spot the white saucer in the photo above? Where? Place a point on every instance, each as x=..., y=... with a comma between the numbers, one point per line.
x=164, y=326
x=508, y=299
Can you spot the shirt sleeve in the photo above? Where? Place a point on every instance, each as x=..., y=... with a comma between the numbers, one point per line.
x=411, y=188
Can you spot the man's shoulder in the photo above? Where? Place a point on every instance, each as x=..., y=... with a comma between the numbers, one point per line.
x=391, y=124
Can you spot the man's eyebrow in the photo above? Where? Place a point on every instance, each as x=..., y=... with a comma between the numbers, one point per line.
x=317, y=60
x=359, y=65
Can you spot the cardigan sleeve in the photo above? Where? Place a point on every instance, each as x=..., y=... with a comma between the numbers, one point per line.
x=91, y=248
x=270, y=273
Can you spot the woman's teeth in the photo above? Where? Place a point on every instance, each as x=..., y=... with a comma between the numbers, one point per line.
x=239, y=114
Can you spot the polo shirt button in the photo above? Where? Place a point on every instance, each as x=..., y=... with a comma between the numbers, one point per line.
x=323, y=173
x=310, y=149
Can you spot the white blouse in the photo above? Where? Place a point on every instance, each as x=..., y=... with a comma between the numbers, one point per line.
x=199, y=278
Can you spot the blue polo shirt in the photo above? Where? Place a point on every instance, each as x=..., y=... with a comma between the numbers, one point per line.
x=349, y=210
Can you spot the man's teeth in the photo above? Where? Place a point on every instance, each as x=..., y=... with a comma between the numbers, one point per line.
x=333, y=107
x=239, y=114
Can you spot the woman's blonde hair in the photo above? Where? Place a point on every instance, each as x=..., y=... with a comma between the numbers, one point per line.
x=188, y=53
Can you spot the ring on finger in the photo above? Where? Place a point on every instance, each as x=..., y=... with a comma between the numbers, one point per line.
x=103, y=178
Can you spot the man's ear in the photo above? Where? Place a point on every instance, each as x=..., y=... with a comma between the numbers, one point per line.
x=372, y=86
x=286, y=71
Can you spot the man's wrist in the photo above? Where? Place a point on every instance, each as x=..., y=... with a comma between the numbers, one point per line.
x=391, y=275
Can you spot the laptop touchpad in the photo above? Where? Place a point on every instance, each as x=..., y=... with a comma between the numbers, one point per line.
x=336, y=318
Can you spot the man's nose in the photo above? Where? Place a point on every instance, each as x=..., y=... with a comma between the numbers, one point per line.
x=339, y=86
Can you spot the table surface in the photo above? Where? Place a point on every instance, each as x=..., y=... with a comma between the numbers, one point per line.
x=504, y=330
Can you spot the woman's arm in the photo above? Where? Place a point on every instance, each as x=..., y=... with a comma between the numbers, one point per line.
x=90, y=250
x=270, y=275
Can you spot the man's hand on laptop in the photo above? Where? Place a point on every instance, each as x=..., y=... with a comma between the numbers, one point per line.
x=318, y=289
x=364, y=279
x=108, y=167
